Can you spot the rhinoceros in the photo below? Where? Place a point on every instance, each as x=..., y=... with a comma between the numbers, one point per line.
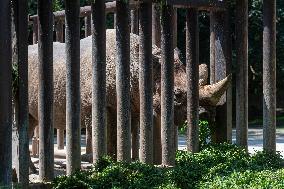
x=209, y=94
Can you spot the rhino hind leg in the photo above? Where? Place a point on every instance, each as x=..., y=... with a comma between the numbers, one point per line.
x=157, y=144
x=32, y=125
x=135, y=138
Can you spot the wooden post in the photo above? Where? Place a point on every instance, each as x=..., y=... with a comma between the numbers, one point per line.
x=269, y=75
x=175, y=28
x=35, y=30
x=229, y=95
x=99, y=80
x=134, y=21
x=72, y=40
x=192, y=70
x=88, y=25
x=146, y=83
x=242, y=73
x=167, y=86
x=156, y=26
x=59, y=31
x=219, y=63
x=20, y=60
x=123, y=81
x=5, y=94
x=45, y=100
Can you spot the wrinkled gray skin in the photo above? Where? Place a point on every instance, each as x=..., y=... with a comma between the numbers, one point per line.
x=209, y=94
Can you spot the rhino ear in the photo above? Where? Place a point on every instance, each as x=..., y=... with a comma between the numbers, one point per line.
x=210, y=95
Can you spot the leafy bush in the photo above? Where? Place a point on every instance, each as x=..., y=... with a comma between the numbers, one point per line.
x=204, y=132
x=216, y=166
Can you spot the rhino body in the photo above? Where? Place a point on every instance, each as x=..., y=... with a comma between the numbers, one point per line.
x=209, y=94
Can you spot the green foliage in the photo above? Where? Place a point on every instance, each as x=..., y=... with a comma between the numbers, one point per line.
x=204, y=132
x=217, y=166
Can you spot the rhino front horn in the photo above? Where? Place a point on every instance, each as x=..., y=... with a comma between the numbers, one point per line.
x=210, y=95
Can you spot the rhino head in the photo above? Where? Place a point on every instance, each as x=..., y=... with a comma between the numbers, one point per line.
x=209, y=95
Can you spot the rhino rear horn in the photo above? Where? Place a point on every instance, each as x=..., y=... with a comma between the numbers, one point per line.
x=210, y=95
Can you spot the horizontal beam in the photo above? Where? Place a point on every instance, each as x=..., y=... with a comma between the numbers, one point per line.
x=86, y=11
x=200, y=4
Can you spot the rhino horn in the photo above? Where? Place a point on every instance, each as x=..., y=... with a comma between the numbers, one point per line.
x=210, y=95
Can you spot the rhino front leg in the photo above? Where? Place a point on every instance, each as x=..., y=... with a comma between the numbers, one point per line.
x=111, y=133
x=157, y=144
x=32, y=125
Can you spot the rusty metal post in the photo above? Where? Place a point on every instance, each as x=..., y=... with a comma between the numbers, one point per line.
x=123, y=81
x=73, y=101
x=5, y=95
x=134, y=21
x=242, y=73
x=20, y=60
x=99, y=80
x=88, y=25
x=59, y=31
x=156, y=26
x=146, y=83
x=192, y=70
x=167, y=86
x=45, y=100
x=269, y=75
x=35, y=30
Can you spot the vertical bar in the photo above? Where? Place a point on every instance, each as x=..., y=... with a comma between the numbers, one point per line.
x=269, y=75
x=88, y=24
x=134, y=21
x=45, y=100
x=59, y=31
x=192, y=70
x=20, y=60
x=5, y=94
x=219, y=20
x=212, y=50
x=35, y=30
x=123, y=81
x=167, y=86
x=72, y=40
x=146, y=83
x=229, y=71
x=175, y=28
x=242, y=73
x=99, y=80
x=156, y=27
